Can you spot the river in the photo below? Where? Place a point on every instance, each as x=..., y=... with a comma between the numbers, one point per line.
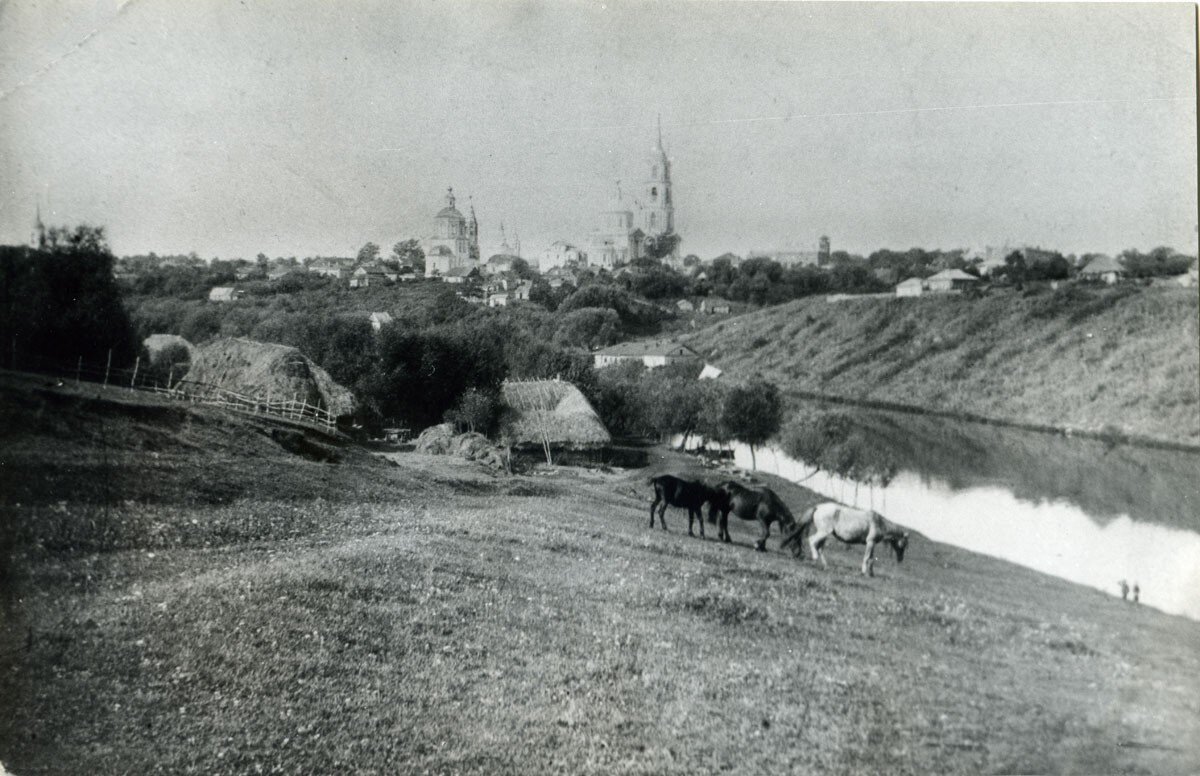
x=1080, y=509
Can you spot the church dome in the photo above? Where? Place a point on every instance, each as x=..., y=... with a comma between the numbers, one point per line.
x=449, y=211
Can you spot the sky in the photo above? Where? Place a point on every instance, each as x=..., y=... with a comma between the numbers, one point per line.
x=306, y=127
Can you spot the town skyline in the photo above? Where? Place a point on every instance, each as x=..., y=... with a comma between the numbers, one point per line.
x=230, y=133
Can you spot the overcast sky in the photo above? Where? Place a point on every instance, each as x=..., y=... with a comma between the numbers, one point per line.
x=306, y=127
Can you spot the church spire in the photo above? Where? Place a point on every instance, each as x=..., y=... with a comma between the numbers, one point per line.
x=660, y=145
x=449, y=196
x=38, y=238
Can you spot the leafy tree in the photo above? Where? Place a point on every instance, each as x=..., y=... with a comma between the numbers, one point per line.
x=368, y=253
x=1014, y=268
x=659, y=282
x=588, y=327
x=201, y=324
x=1048, y=266
x=421, y=375
x=1159, y=262
x=660, y=246
x=409, y=253
x=522, y=269
x=61, y=303
x=475, y=410
x=753, y=413
x=166, y=367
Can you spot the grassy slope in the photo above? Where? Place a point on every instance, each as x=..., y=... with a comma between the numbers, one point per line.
x=1083, y=359
x=315, y=617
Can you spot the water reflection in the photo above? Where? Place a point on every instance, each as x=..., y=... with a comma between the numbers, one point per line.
x=1052, y=522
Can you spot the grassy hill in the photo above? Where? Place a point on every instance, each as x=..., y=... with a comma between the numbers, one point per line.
x=1126, y=358
x=187, y=594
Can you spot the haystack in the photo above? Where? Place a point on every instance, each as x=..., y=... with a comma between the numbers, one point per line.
x=264, y=369
x=441, y=440
x=157, y=343
x=551, y=413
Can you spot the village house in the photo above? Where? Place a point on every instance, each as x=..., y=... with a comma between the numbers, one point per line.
x=652, y=353
x=500, y=263
x=684, y=306
x=460, y=274
x=560, y=276
x=715, y=306
x=949, y=280
x=223, y=294
x=332, y=267
x=989, y=259
x=277, y=271
x=1192, y=277
x=910, y=287
x=515, y=292
x=367, y=275
x=1104, y=269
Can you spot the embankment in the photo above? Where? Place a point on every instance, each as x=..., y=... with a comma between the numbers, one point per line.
x=1103, y=360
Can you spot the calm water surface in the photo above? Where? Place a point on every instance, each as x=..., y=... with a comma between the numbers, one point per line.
x=1078, y=509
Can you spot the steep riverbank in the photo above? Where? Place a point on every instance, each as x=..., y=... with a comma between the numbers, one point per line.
x=188, y=595
x=1122, y=360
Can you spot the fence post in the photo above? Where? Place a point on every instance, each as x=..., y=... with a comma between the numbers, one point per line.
x=78, y=369
x=137, y=362
x=107, y=367
x=170, y=376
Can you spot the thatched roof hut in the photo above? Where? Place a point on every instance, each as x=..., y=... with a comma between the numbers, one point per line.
x=262, y=369
x=551, y=413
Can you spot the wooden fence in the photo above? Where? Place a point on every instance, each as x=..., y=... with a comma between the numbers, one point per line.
x=292, y=408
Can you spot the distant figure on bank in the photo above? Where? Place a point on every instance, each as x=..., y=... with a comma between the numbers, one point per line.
x=1124, y=590
x=1136, y=592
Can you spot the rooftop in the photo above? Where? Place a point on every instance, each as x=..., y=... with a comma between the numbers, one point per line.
x=664, y=347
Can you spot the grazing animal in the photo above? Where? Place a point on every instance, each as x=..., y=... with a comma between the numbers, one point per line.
x=761, y=504
x=670, y=490
x=852, y=526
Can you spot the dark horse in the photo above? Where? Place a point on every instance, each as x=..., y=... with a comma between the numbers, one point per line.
x=761, y=504
x=670, y=490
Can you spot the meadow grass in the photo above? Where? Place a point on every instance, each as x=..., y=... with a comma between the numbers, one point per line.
x=425, y=615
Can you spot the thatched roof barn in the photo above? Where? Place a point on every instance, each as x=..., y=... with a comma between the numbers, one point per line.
x=551, y=413
x=262, y=369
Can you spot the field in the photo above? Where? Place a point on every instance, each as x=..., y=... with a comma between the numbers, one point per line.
x=192, y=591
x=1124, y=359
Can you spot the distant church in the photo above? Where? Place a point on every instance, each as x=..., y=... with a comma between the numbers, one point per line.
x=625, y=227
x=455, y=240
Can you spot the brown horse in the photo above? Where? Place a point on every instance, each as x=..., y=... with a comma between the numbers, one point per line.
x=761, y=504
x=670, y=490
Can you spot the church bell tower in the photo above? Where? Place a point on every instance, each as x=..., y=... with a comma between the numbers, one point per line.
x=657, y=213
